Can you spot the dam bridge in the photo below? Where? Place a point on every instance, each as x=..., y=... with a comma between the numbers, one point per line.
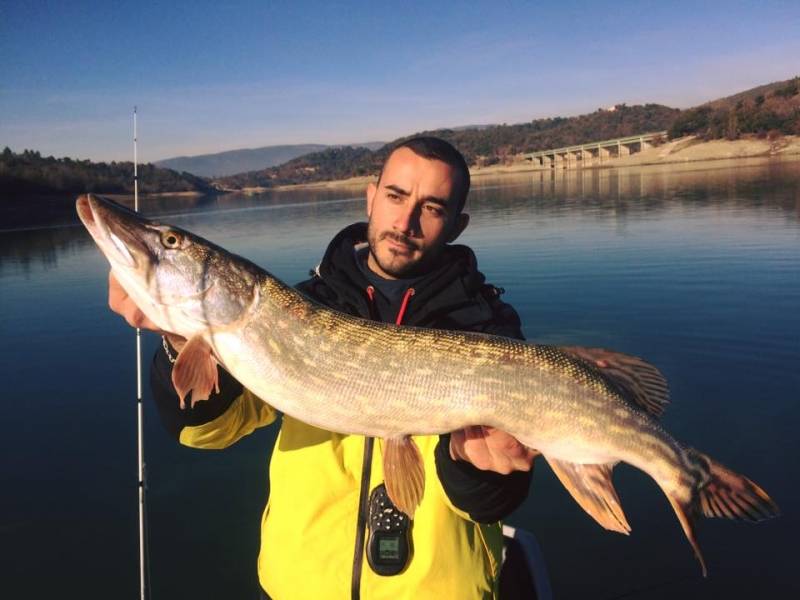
x=595, y=152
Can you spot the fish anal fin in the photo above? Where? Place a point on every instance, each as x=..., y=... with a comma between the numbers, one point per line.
x=684, y=513
x=592, y=488
x=195, y=370
x=403, y=473
x=642, y=382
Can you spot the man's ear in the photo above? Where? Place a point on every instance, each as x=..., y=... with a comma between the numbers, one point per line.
x=372, y=189
x=461, y=223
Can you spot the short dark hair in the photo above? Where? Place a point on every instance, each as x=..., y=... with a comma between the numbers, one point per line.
x=434, y=148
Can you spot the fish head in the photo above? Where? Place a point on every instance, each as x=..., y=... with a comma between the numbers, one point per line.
x=182, y=282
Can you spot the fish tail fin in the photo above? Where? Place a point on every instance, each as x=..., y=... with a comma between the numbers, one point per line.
x=716, y=491
x=730, y=495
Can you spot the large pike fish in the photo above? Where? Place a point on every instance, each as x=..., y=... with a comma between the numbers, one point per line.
x=584, y=409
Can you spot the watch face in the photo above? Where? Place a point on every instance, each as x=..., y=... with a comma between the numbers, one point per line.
x=389, y=548
x=389, y=538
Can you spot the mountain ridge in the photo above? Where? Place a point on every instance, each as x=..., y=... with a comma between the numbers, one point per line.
x=231, y=162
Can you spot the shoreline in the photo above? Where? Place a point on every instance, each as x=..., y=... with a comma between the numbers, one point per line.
x=683, y=151
x=191, y=194
x=315, y=185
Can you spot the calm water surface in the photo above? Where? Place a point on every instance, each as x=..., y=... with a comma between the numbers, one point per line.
x=698, y=270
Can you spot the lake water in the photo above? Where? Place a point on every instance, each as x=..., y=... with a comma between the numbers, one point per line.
x=696, y=269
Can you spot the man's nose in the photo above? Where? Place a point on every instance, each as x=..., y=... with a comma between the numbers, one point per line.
x=407, y=219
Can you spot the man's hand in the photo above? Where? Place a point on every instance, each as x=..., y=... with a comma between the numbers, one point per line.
x=121, y=303
x=490, y=449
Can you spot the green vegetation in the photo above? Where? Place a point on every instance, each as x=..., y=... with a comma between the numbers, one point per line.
x=327, y=165
x=767, y=111
x=480, y=145
x=30, y=172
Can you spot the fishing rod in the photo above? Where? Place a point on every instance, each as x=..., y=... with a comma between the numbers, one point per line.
x=143, y=563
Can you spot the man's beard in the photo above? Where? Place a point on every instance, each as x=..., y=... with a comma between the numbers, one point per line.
x=408, y=267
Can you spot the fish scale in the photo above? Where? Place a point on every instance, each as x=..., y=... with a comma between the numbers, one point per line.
x=562, y=394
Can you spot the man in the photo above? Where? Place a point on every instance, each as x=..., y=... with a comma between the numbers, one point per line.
x=319, y=536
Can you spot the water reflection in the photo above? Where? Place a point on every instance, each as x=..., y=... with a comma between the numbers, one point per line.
x=746, y=186
x=698, y=270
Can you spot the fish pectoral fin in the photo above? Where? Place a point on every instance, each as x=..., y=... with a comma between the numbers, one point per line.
x=403, y=473
x=592, y=488
x=195, y=370
x=644, y=384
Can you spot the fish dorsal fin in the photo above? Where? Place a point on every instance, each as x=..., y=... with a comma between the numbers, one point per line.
x=642, y=383
x=403, y=473
x=195, y=369
x=592, y=488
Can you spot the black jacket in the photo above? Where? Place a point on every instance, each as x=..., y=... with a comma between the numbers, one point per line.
x=453, y=295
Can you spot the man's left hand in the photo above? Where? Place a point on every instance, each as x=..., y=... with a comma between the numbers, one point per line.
x=491, y=449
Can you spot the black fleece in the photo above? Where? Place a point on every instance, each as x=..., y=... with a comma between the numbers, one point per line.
x=452, y=295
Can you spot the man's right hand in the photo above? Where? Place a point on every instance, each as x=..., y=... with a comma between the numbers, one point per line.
x=121, y=303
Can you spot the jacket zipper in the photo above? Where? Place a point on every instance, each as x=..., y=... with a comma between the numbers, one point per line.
x=361, y=526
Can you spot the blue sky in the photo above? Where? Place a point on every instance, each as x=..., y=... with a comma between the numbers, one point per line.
x=212, y=76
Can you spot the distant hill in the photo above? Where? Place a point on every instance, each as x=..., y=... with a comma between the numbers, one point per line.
x=249, y=159
x=483, y=144
x=751, y=94
x=770, y=110
x=327, y=165
x=31, y=173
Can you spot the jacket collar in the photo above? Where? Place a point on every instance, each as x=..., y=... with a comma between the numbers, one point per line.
x=452, y=281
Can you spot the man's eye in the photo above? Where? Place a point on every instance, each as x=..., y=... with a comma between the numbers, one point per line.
x=434, y=210
x=392, y=196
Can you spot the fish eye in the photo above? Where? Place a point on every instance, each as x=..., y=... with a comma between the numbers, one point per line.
x=170, y=239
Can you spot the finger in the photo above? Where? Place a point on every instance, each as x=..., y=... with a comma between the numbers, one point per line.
x=115, y=285
x=524, y=461
x=113, y=292
x=503, y=443
x=476, y=449
x=500, y=462
x=473, y=432
x=139, y=320
x=473, y=448
x=508, y=453
x=176, y=341
x=117, y=296
x=457, y=445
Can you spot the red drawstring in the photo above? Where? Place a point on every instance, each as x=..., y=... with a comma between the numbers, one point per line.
x=401, y=313
x=403, y=306
x=371, y=303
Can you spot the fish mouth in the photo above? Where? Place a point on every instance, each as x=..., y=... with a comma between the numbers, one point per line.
x=117, y=231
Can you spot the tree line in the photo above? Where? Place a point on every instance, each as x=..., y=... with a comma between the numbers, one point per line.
x=772, y=114
x=480, y=145
x=30, y=172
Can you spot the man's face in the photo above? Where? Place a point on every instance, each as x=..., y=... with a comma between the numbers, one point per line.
x=412, y=214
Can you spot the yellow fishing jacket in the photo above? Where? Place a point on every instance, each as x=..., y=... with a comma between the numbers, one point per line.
x=313, y=523
x=308, y=530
